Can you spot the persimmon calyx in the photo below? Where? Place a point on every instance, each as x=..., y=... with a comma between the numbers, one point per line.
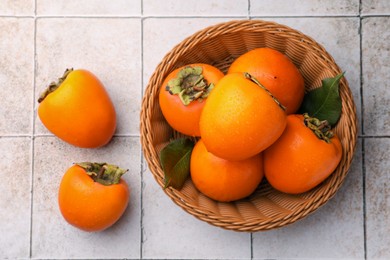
x=189, y=85
x=321, y=129
x=54, y=85
x=254, y=80
x=103, y=173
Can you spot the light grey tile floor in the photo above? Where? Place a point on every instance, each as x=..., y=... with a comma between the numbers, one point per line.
x=122, y=42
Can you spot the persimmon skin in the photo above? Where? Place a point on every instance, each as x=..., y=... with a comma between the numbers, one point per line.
x=240, y=119
x=276, y=72
x=224, y=180
x=185, y=119
x=89, y=205
x=79, y=111
x=298, y=161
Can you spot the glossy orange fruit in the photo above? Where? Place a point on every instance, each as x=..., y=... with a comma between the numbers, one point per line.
x=91, y=202
x=224, y=180
x=78, y=110
x=276, y=72
x=240, y=119
x=299, y=160
x=183, y=93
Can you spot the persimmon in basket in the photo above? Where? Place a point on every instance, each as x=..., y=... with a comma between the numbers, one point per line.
x=240, y=118
x=304, y=156
x=183, y=94
x=224, y=180
x=276, y=72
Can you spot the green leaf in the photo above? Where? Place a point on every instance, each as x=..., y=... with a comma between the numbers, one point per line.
x=324, y=102
x=175, y=161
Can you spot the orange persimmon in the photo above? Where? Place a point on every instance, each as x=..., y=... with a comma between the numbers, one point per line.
x=183, y=93
x=93, y=196
x=305, y=155
x=78, y=110
x=224, y=180
x=276, y=72
x=240, y=118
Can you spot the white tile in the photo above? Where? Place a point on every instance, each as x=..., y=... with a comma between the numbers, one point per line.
x=15, y=199
x=375, y=7
x=89, y=7
x=342, y=45
x=376, y=75
x=195, y=7
x=52, y=236
x=169, y=232
x=110, y=48
x=335, y=231
x=17, y=7
x=162, y=34
x=16, y=75
x=377, y=162
x=304, y=7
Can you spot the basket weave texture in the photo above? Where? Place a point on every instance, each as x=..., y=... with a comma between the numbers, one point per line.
x=219, y=45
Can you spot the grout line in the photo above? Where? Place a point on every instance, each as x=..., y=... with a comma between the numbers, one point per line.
x=251, y=238
x=306, y=16
x=138, y=135
x=363, y=133
x=374, y=15
x=16, y=16
x=248, y=15
x=364, y=198
x=133, y=16
x=249, y=9
x=52, y=135
x=141, y=152
x=362, y=130
x=33, y=132
x=374, y=136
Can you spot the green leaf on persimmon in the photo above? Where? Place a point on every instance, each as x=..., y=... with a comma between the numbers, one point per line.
x=175, y=161
x=324, y=102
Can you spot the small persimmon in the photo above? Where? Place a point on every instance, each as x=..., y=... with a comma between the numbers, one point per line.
x=183, y=93
x=93, y=196
x=276, y=72
x=240, y=118
x=305, y=155
x=78, y=110
x=224, y=180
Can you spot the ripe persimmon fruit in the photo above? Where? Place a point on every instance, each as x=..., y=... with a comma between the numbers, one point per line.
x=240, y=118
x=183, y=93
x=276, y=72
x=305, y=155
x=224, y=180
x=78, y=110
x=93, y=196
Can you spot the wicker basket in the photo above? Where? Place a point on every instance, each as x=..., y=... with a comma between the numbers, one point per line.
x=219, y=45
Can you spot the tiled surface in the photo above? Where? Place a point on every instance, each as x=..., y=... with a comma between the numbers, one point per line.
x=15, y=188
x=93, y=43
x=322, y=234
x=304, y=8
x=376, y=68
x=122, y=42
x=52, y=237
x=16, y=75
x=378, y=197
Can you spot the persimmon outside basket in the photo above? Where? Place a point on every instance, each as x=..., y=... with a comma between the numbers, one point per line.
x=219, y=45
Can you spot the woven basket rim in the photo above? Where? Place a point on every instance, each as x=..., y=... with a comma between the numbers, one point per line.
x=151, y=153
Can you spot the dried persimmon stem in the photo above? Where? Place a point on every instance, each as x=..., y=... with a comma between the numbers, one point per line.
x=321, y=129
x=254, y=80
x=54, y=85
x=103, y=173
